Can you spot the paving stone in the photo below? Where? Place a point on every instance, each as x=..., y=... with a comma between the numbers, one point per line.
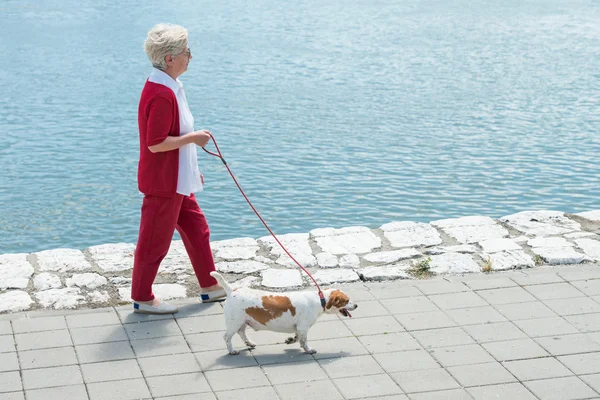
x=482, y=374
x=554, y=291
x=453, y=263
x=66, y=298
x=153, y=329
x=408, y=305
x=281, y=278
x=457, y=300
x=579, y=273
x=411, y=234
x=590, y=247
x=442, y=337
x=579, y=305
x=98, y=334
x=494, y=332
x=127, y=316
x=591, y=287
x=372, y=385
x=282, y=353
x=9, y=362
x=12, y=396
x=27, y=325
x=43, y=340
x=530, y=310
x=7, y=344
x=344, y=367
x=164, y=291
x=5, y=328
x=113, y=257
x=551, y=242
x=46, y=358
x=383, y=273
x=461, y=355
x=541, y=223
x=387, y=291
x=50, y=377
x=221, y=359
x=169, y=365
x=591, y=215
x=329, y=276
x=210, y=341
x=296, y=243
x=108, y=317
x=321, y=390
x=15, y=271
x=537, y=368
x=425, y=320
x=15, y=300
x=580, y=364
x=46, y=281
x=191, y=383
x=592, y=380
x=560, y=388
x=335, y=348
x=74, y=392
x=425, y=380
x=389, y=257
x=159, y=346
x=327, y=260
x=258, y=393
x=350, y=240
x=471, y=229
x=441, y=286
x=62, y=260
x=546, y=327
x=236, y=378
x=104, y=352
x=568, y=344
x=533, y=277
x=336, y=329
x=129, y=389
x=111, y=371
x=410, y=360
x=487, y=282
x=303, y=371
x=349, y=261
x=506, y=296
x=585, y=322
x=235, y=249
x=373, y=325
x=519, y=349
x=498, y=244
x=454, y=394
x=476, y=315
x=391, y=342
x=240, y=267
x=10, y=381
x=369, y=308
x=506, y=391
x=560, y=255
x=509, y=259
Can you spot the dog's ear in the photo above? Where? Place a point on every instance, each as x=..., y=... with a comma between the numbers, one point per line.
x=337, y=299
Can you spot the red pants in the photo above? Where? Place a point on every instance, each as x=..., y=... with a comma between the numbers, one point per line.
x=160, y=217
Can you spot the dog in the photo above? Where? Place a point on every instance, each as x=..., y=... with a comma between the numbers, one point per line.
x=293, y=312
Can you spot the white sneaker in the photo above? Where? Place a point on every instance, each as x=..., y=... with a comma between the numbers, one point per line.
x=215, y=295
x=161, y=308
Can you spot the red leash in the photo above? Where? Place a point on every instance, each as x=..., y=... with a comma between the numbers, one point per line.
x=321, y=296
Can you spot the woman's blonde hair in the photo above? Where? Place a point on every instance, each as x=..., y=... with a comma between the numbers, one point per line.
x=165, y=39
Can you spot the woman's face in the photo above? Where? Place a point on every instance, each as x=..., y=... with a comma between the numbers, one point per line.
x=179, y=62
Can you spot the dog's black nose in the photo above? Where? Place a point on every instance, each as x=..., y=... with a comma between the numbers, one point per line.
x=356, y=305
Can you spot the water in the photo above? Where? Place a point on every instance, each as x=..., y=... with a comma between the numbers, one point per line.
x=329, y=113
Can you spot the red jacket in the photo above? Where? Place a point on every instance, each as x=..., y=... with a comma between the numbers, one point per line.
x=158, y=117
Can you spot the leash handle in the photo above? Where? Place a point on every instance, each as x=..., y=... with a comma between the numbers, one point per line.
x=220, y=156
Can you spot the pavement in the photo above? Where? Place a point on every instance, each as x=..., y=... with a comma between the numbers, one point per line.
x=530, y=334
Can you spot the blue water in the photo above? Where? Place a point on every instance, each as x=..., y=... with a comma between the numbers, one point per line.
x=329, y=113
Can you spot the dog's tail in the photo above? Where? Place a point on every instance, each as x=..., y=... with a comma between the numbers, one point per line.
x=222, y=282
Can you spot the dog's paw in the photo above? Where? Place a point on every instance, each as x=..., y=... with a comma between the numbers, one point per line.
x=291, y=340
x=310, y=351
x=234, y=352
x=251, y=344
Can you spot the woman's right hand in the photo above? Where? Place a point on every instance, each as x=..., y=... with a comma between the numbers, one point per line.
x=200, y=138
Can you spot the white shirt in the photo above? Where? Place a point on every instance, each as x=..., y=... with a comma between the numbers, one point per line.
x=188, y=178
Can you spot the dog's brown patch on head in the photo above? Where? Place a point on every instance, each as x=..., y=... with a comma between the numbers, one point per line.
x=272, y=307
x=337, y=299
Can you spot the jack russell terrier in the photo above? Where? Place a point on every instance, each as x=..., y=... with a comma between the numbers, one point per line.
x=293, y=312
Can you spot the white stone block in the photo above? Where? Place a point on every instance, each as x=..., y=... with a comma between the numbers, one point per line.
x=113, y=257
x=463, y=221
x=62, y=260
x=349, y=261
x=511, y=259
x=339, y=275
x=45, y=281
x=119, y=280
x=591, y=215
x=15, y=271
x=164, y=291
x=549, y=242
x=87, y=280
x=327, y=260
x=541, y=223
x=496, y=245
x=461, y=248
x=60, y=298
x=177, y=260
x=453, y=263
x=383, y=273
x=296, y=244
x=411, y=234
x=520, y=239
x=281, y=278
x=560, y=255
x=235, y=249
x=388, y=257
x=99, y=297
x=15, y=300
x=577, y=235
x=240, y=267
x=352, y=240
x=590, y=247
x=475, y=233
x=247, y=282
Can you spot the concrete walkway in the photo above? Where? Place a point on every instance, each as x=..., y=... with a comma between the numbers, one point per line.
x=516, y=335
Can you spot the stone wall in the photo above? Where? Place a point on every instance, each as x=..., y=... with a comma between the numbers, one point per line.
x=101, y=275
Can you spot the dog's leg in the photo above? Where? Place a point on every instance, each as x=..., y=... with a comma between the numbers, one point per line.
x=231, y=330
x=242, y=333
x=303, y=338
x=292, y=340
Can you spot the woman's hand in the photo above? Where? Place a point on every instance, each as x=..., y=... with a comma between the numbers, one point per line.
x=201, y=178
x=200, y=138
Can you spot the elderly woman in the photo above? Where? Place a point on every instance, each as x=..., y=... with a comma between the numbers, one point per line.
x=168, y=173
